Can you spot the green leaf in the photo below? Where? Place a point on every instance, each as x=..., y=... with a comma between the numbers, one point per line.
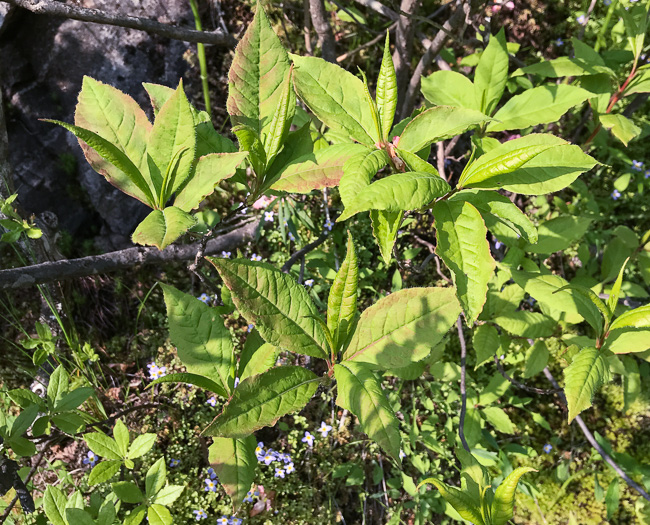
x=358, y=171
x=492, y=73
x=386, y=91
x=136, y=516
x=297, y=144
x=209, y=141
x=260, y=400
x=127, y=491
x=498, y=418
x=436, y=124
x=526, y=324
x=620, y=126
x=102, y=445
x=171, y=145
x=401, y=328
x=121, y=436
x=256, y=360
x=155, y=478
x=73, y=399
x=114, y=118
x=191, y=379
x=486, y=343
x=559, y=233
x=640, y=83
x=158, y=95
x=257, y=77
x=564, y=67
x=342, y=299
x=103, y=471
x=159, y=515
x=461, y=502
x=536, y=359
x=203, y=343
x=360, y=392
x=495, y=207
x=590, y=295
x=58, y=385
x=209, y=171
x=463, y=246
x=162, y=227
x=54, y=503
x=504, y=497
x=385, y=225
x=415, y=163
x=78, y=517
x=398, y=192
x=631, y=382
x=141, y=445
x=168, y=494
x=281, y=121
x=635, y=20
x=449, y=88
x=545, y=172
x=69, y=422
x=336, y=97
x=583, y=377
x=637, y=318
x=612, y=498
x=539, y=105
x=24, y=421
x=278, y=306
x=24, y=398
x=235, y=463
x=314, y=171
x=249, y=141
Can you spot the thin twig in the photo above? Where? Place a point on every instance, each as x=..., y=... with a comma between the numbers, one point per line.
x=440, y=159
x=521, y=385
x=590, y=437
x=52, y=8
x=323, y=29
x=302, y=252
x=463, y=390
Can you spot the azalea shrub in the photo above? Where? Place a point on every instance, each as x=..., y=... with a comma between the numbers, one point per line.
x=435, y=372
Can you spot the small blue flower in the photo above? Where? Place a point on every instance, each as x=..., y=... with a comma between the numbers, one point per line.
x=279, y=473
x=249, y=497
x=91, y=459
x=251, y=327
x=615, y=195
x=212, y=401
x=200, y=514
x=269, y=457
x=256, y=257
x=210, y=486
x=637, y=165
x=285, y=457
x=223, y=521
x=243, y=211
x=324, y=429
x=559, y=42
x=236, y=383
x=289, y=468
x=547, y=448
x=607, y=2
x=647, y=174
x=259, y=450
x=225, y=254
x=174, y=462
x=309, y=282
x=582, y=20
x=328, y=225
x=309, y=439
x=402, y=455
x=213, y=474
x=156, y=371
x=235, y=521
x=204, y=298
x=268, y=216
x=291, y=237
x=497, y=245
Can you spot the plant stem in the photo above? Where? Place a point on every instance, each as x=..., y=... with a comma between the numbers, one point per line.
x=200, y=50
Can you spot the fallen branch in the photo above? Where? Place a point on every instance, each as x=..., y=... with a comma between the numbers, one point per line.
x=119, y=260
x=301, y=253
x=52, y=8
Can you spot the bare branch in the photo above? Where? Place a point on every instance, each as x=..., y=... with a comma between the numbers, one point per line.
x=52, y=8
x=463, y=389
x=300, y=254
x=404, y=45
x=323, y=29
x=379, y=8
x=527, y=388
x=119, y=260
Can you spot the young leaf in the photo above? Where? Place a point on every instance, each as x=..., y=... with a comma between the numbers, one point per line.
x=336, y=97
x=450, y=88
x=104, y=471
x=257, y=78
x=121, y=436
x=545, y=172
x=583, y=377
x=318, y=170
x=620, y=126
x=463, y=246
x=234, y=462
x=402, y=328
x=485, y=342
x=249, y=141
x=492, y=73
x=536, y=359
x=461, y=502
x=162, y=227
x=257, y=356
x=539, y=105
x=342, y=299
x=398, y=192
x=209, y=171
x=54, y=504
x=168, y=494
x=358, y=171
x=385, y=225
x=496, y=207
x=360, y=392
x=171, y=145
x=281, y=121
x=112, y=163
x=386, y=91
x=202, y=341
x=259, y=401
x=637, y=318
x=612, y=300
x=159, y=515
x=158, y=95
x=278, y=306
x=102, y=445
x=504, y=497
x=155, y=478
x=136, y=516
x=141, y=445
x=127, y=491
x=58, y=385
x=436, y=124
x=590, y=295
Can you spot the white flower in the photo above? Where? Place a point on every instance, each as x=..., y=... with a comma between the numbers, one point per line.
x=309, y=282
x=268, y=216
